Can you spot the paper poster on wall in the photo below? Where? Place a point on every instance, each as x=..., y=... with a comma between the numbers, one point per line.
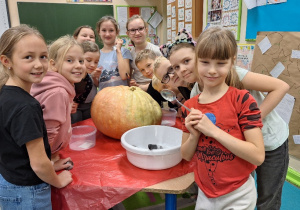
x=180, y=25
x=155, y=19
x=173, y=24
x=122, y=15
x=134, y=11
x=245, y=56
x=226, y=13
x=216, y=4
x=188, y=15
x=173, y=36
x=181, y=14
x=169, y=35
x=146, y=13
x=188, y=4
x=173, y=11
x=188, y=27
x=180, y=3
x=169, y=9
x=169, y=23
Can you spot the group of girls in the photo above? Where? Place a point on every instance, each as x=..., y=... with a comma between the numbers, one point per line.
x=37, y=98
x=222, y=132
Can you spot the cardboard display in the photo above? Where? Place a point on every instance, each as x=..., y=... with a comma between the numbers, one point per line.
x=282, y=46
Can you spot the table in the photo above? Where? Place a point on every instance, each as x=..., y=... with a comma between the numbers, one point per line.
x=172, y=187
x=103, y=177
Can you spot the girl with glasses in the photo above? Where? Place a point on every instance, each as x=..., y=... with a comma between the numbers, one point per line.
x=137, y=30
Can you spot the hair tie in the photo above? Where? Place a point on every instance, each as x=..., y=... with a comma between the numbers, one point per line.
x=183, y=36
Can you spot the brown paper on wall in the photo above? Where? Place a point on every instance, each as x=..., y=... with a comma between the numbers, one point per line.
x=282, y=45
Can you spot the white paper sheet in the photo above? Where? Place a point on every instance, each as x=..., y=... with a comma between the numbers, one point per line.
x=146, y=13
x=122, y=19
x=264, y=45
x=250, y=3
x=295, y=54
x=155, y=20
x=277, y=70
x=285, y=107
x=296, y=139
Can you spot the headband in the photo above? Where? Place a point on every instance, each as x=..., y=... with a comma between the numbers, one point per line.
x=183, y=36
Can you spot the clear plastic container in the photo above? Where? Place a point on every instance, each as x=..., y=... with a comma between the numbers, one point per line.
x=83, y=137
x=168, y=116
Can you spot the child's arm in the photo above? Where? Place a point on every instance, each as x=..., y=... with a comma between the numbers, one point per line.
x=123, y=64
x=276, y=89
x=251, y=150
x=190, y=140
x=43, y=167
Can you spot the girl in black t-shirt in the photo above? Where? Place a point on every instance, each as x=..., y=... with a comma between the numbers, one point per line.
x=25, y=166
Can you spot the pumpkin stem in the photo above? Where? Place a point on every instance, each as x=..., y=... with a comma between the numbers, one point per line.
x=132, y=88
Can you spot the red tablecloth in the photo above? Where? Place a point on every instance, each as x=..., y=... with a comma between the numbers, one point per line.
x=103, y=177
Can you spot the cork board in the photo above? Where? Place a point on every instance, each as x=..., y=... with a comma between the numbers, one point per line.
x=283, y=45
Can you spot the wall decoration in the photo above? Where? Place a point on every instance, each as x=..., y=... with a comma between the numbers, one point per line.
x=169, y=9
x=180, y=25
x=169, y=23
x=245, y=56
x=188, y=4
x=226, y=13
x=188, y=15
x=181, y=14
x=180, y=3
x=173, y=24
x=173, y=11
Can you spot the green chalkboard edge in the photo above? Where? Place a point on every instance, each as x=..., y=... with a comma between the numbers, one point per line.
x=239, y=18
x=116, y=12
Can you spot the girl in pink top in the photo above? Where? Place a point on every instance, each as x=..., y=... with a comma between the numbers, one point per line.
x=56, y=92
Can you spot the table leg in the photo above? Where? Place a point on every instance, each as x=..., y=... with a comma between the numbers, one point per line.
x=171, y=201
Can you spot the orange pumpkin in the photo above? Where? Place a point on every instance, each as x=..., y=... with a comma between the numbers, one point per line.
x=118, y=109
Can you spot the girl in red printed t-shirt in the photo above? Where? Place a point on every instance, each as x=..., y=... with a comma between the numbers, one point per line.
x=223, y=130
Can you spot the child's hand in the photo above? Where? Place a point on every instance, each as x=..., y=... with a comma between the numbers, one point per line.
x=74, y=107
x=192, y=120
x=65, y=178
x=133, y=83
x=206, y=126
x=119, y=43
x=97, y=72
x=62, y=164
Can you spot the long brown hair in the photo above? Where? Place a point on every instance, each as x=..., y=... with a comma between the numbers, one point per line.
x=7, y=46
x=219, y=43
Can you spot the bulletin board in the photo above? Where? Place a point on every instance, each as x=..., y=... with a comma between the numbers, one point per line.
x=273, y=17
x=4, y=17
x=54, y=20
x=186, y=14
x=284, y=50
x=225, y=13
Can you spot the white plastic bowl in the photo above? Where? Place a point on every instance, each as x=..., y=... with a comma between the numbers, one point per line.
x=83, y=137
x=136, y=142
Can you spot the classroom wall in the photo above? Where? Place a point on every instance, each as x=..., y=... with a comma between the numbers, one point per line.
x=160, y=6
